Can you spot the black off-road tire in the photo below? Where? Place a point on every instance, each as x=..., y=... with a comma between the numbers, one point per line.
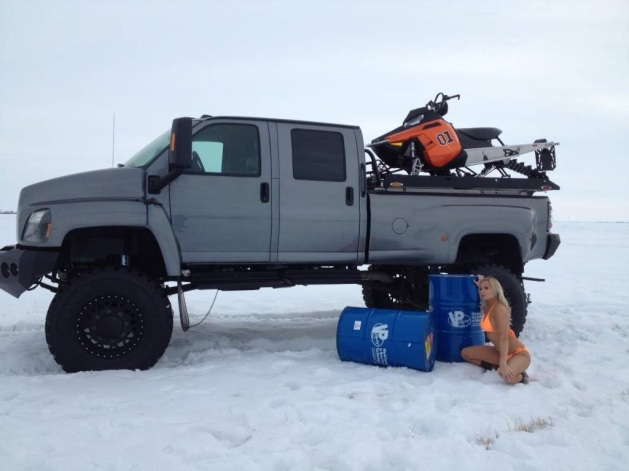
x=513, y=288
x=109, y=319
x=415, y=283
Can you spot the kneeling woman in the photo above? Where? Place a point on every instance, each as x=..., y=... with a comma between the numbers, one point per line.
x=508, y=353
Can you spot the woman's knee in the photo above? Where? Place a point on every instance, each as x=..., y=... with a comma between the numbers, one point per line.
x=520, y=361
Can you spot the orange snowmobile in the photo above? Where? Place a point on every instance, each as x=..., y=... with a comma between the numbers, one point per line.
x=426, y=142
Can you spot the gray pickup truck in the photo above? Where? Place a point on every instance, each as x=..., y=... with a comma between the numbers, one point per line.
x=233, y=203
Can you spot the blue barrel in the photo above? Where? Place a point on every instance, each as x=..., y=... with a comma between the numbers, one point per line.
x=386, y=337
x=455, y=304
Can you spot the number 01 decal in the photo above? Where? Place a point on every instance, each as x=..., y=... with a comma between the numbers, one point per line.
x=444, y=138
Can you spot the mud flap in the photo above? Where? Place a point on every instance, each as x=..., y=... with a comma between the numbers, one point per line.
x=183, y=309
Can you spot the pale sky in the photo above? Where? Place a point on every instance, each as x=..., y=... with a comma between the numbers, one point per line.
x=535, y=69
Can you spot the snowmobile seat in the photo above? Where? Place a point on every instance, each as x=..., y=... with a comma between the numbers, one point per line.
x=486, y=134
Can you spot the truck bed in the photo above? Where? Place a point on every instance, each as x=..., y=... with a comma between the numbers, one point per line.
x=466, y=184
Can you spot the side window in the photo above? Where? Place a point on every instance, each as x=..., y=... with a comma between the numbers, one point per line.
x=318, y=155
x=230, y=149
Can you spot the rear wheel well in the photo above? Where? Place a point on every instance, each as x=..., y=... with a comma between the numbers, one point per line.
x=134, y=247
x=500, y=249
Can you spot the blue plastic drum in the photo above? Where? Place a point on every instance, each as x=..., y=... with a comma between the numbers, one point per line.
x=455, y=304
x=386, y=337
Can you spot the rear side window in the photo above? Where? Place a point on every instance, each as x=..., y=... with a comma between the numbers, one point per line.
x=318, y=155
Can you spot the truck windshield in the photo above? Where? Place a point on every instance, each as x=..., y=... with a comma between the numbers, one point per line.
x=150, y=151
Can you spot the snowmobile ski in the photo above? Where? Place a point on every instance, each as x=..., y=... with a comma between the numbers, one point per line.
x=484, y=155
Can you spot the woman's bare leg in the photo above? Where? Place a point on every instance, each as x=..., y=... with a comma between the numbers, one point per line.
x=481, y=353
x=518, y=364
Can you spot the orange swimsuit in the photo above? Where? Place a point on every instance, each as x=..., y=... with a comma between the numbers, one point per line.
x=485, y=324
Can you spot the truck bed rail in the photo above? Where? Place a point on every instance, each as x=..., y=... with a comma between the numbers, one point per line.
x=469, y=184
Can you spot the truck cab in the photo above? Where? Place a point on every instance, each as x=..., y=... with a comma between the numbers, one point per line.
x=248, y=174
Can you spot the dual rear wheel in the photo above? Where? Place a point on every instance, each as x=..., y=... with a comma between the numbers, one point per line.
x=411, y=291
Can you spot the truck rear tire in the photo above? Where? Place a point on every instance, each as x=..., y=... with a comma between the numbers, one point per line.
x=108, y=320
x=513, y=288
x=411, y=284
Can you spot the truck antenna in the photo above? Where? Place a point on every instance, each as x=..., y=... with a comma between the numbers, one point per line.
x=113, y=141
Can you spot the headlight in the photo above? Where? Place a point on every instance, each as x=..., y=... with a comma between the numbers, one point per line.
x=37, y=228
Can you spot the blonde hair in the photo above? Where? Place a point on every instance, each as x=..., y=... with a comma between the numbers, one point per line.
x=498, y=293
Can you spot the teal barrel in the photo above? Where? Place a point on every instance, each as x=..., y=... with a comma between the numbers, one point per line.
x=455, y=304
x=386, y=337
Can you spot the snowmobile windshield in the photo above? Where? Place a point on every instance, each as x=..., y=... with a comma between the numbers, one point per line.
x=150, y=151
x=413, y=115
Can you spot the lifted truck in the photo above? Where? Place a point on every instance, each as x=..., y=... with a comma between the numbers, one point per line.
x=233, y=203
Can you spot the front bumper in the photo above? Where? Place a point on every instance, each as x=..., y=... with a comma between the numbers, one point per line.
x=552, y=243
x=20, y=269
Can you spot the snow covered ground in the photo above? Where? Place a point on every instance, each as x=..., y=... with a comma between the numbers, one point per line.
x=258, y=386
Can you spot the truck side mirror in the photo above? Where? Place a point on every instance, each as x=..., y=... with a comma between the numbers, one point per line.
x=180, y=150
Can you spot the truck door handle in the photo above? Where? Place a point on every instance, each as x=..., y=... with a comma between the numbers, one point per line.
x=349, y=196
x=363, y=180
x=264, y=192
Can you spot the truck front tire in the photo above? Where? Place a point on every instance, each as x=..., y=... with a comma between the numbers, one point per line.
x=109, y=319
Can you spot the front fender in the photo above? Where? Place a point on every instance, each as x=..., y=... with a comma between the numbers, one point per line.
x=159, y=224
x=67, y=216
x=137, y=214
x=75, y=215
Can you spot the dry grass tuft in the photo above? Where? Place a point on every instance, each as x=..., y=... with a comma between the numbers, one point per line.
x=486, y=442
x=531, y=426
x=618, y=329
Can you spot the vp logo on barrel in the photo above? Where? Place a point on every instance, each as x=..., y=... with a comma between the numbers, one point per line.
x=379, y=333
x=459, y=319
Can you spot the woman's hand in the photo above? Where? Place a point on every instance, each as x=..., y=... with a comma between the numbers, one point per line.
x=478, y=280
x=506, y=373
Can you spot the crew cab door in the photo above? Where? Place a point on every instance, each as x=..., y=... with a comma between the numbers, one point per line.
x=320, y=198
x=221, y=207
